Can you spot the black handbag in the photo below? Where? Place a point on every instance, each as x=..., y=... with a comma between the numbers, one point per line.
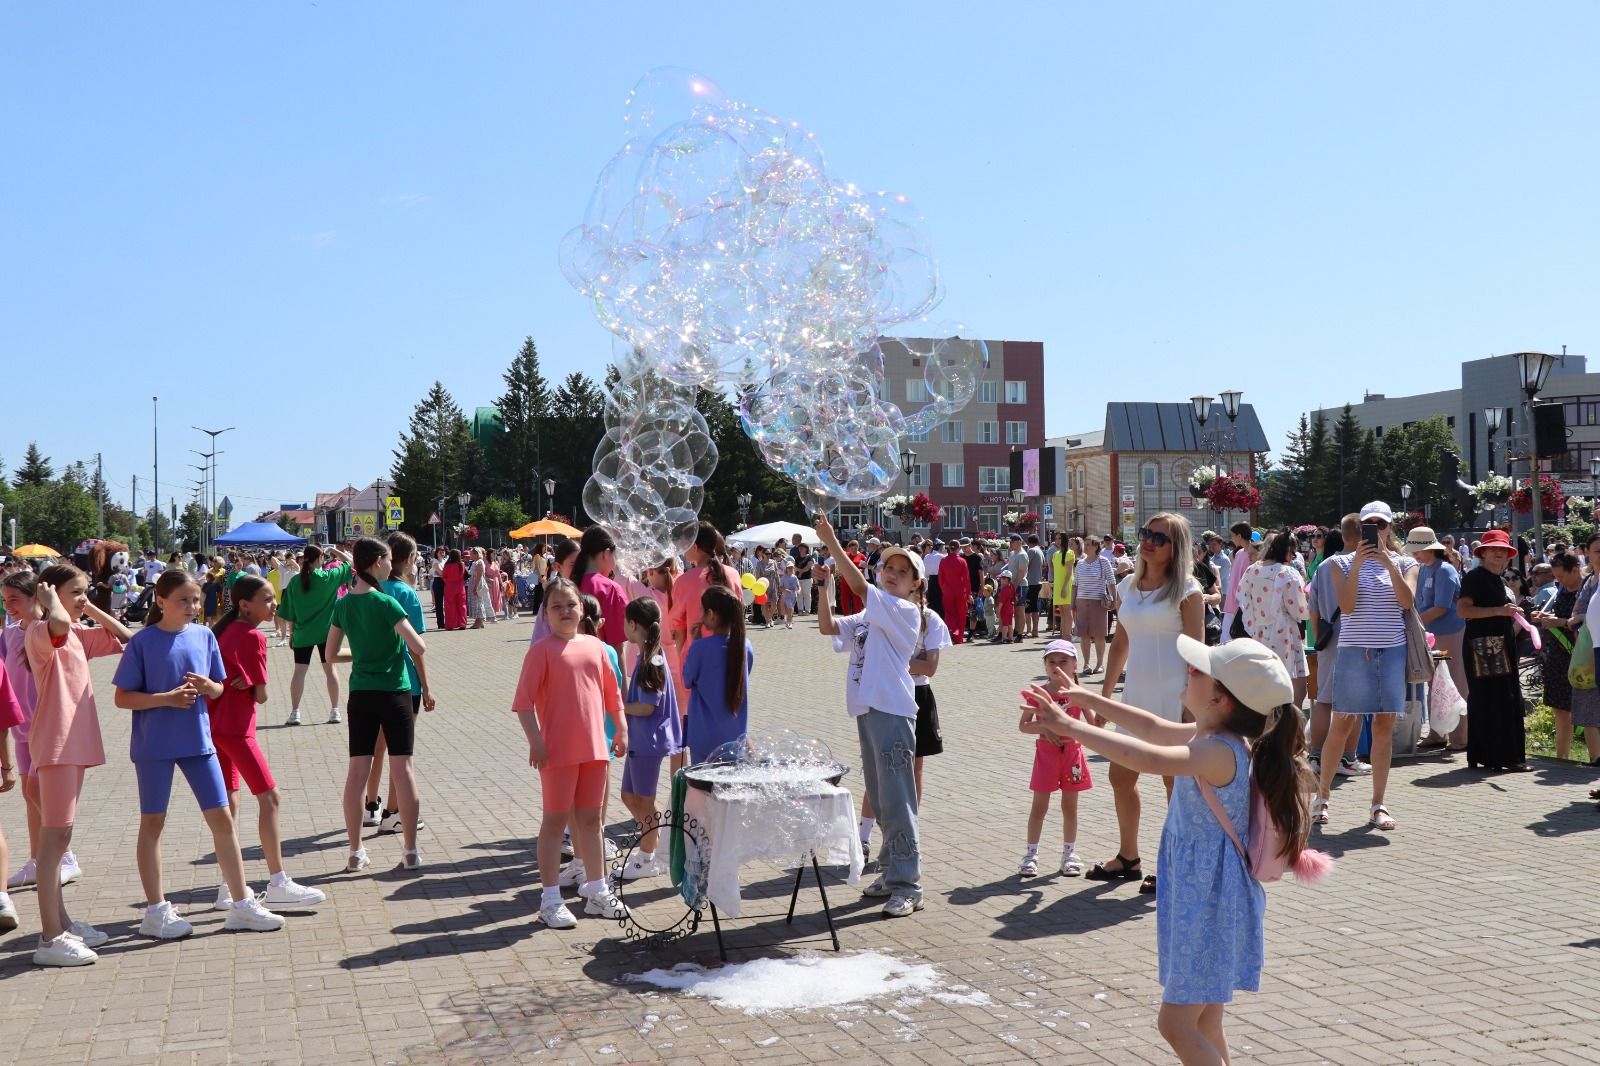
x=1490, y=656
x=1237, y=631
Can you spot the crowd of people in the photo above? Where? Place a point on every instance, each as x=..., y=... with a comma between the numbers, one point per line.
x=1218, y=643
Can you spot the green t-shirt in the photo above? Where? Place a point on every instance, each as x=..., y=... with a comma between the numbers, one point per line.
x=377, y=654
x=310, y=608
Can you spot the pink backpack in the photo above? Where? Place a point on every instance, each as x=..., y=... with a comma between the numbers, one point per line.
x=1265, y=858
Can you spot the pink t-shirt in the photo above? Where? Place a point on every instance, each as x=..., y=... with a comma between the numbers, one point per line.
x=635, y=588
x=571, y=688
x=686, y=609
x=66, y=727
x=612, y=605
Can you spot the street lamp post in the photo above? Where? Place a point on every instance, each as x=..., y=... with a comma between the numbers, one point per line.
x=550, y=495
x=743, y=500
x=1535, y=368
x=1493, y=417
x=211, y=502
x=462, y=501
x=1218, y=442
x=908, y=466
x=1405, y=496
x=1594, y=488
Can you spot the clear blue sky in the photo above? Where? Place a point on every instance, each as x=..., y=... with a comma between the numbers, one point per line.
x=293, y=217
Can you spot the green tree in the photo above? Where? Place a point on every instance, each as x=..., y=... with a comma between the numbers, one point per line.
x=1321, y=475
x=191, y=527
x=740, y=468
x=428, y=464
x=577, y=421
x=1344, y=453
x=1285, y=501
x=495, y=517
x=524, y=410
x=156, y=528
x=288, y=524
x=1412, y=454
x=35, y=469
x=56, y=513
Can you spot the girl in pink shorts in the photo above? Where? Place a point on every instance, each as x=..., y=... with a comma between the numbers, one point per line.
x=63, y=741
x=1059, y=765
x=233, y=732
x=566, y=692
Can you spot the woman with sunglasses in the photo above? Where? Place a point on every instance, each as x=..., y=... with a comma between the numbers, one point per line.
x=1159, y=600
x=1375, y=585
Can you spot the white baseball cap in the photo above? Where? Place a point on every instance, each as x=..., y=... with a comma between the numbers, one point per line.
x=910, y=556
x=1247, y=668
x=1377, y=509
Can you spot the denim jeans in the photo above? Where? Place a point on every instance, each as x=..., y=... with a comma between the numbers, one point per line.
x=888, y=763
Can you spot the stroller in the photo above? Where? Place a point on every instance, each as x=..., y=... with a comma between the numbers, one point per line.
x=140, y=607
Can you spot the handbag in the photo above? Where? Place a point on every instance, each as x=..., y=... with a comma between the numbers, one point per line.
x=1490, y=656
x=1580, y=674
x=1419, y=657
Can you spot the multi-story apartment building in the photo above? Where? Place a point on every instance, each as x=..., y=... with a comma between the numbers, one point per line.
x=964, y=464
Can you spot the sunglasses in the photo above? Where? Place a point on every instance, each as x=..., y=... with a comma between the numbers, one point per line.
x=1159, y=540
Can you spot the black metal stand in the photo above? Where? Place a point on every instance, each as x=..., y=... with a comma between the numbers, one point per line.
x=799, y=875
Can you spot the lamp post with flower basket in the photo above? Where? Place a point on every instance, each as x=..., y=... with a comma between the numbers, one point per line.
x=1217, y=443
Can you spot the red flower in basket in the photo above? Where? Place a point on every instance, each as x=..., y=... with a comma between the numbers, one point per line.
x=923, y=509
x=1551, y=498
x=1233, y=492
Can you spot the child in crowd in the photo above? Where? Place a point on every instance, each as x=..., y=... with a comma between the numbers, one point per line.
x=991, y=620
x=788, y=595
x=400, y=586
x=1006, y=607
x=1059, y=765
x=380, y=695
x=717, y=674
x=16, y=592
x=233, y=732
x=172, y=667
x=1210, y=910
x=211, y=592
x=881, y=697
x=63, y=740
x=566, y=690
x=655, y=731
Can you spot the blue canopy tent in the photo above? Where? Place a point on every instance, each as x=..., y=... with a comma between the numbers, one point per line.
x=267, y=535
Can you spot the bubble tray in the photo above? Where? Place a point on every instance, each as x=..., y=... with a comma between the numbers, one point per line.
x=708, y=775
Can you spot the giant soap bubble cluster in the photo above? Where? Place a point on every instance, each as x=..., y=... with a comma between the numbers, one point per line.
x=721, y=252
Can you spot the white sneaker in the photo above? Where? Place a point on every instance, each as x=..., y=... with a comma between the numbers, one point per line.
x=333, y=716
x=70, y=870
x=8, y=914
x=358, y=860
x=164, y=923
x=902, y=906
x=391, y=822
x=64, y=950
x=411, y=860
x=224, y=898
x=610, y=848
x=1030, y=865
x=1071, y=865
x=251, y=916
x=572, y=874
x=878, y=889
x=290, y=895
x=23, y=877
x=370, y=817
x=557, y=916
x=294, y=717
x=87, y=933
x=1352, y=766
x=638, y=866
x=566, y=845
x=605, y=904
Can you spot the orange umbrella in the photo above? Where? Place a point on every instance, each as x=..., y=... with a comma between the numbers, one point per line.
x=36, y=551
x=546, y=527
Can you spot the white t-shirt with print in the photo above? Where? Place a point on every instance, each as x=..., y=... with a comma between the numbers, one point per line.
x=880, y=640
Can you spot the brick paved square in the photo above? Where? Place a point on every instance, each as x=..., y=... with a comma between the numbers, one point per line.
x=1463, y=937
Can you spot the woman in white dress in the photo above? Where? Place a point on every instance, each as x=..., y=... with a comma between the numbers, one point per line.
x=1159, y=600
x=480, y=606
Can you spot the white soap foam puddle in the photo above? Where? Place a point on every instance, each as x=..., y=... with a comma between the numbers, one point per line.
x=812, y=982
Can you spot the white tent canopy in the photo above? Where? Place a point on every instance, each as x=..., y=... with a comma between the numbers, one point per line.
x=773, y=532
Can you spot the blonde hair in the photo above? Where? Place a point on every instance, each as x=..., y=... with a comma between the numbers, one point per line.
x=1178, y=570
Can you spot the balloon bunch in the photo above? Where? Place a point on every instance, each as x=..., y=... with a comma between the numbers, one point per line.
x=717, y=246
x=755, y=588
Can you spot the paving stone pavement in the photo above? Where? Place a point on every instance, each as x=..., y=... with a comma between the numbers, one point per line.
x=1464, y=936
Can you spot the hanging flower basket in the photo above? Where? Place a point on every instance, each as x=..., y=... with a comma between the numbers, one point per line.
x=1201, y=479
x=923, y=509
x=1551, y=498
x=899, y=506
x=1233, y=492
x=1023, y=521
x=1410, y=520
x=874, y=531
x=1492, y=491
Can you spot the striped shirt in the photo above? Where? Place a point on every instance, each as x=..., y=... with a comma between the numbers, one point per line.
x=1377, y=621
x=1091, y=578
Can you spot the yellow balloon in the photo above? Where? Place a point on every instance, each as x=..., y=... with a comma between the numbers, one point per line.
x=761, y=587
x=748, y=581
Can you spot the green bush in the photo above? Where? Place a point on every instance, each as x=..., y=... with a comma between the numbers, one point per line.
x=1541, y=732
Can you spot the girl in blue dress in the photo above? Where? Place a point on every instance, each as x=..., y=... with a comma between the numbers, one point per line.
x=1210, y=910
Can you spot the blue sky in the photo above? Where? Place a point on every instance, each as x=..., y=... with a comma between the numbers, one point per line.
x=292, y=218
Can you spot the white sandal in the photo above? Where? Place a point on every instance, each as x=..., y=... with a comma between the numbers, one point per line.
x=1381, y=818
x=1319, y=812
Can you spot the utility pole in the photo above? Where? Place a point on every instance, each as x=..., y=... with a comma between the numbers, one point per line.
x=133, y=505
x=100, y=494
x=155, y=451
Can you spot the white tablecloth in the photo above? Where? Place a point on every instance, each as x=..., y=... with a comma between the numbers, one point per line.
x=737, y=831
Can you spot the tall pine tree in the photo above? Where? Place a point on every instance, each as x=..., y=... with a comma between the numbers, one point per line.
x=524, y=411
x=429, y=463
x=577, y=421
x=35, y=468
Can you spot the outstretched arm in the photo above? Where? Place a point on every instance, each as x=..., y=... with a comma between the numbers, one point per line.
x=1204, y=758
x=1136, y=720
x=849, y=572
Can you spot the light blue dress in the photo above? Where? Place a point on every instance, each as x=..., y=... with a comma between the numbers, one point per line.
x=1210, y=913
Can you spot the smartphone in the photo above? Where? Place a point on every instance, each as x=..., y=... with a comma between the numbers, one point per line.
x=1369, y=533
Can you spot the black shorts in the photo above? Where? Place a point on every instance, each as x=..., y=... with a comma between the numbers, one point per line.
x=929, y=740
x=367, y=712
x=302, y=656
x=1033, y=599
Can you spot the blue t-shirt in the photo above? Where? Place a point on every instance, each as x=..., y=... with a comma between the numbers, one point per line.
x=155, y=661
x=661, y=733
x=407, y=598
x=710, y=722
x=1438, y=585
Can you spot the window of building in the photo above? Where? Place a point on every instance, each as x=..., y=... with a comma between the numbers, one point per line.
x=917, y=391
x=919, y=437
x=1450, y=420
x=989, y=432
x=1582, y=410
x=988, y=392
x=852, y=516
x=1016, y=392
x=954, y=475
x=1378, y=432
x=994, y=479
x=919, y=476
x=1148, y=473
x=1016, y=432
x=950, y=433
x=989, y=519
x=953, y=516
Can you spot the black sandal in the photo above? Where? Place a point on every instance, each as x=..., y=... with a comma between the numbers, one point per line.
x=1147, y=887
x=1129, y=870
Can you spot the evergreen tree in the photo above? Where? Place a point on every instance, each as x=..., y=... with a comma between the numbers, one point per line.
x=1370, y=475
x=1284, y=497
x=1321, y=475
x=428, y=464
x=524, y=410
x=35, y=468
x=577, y=421
x=1344, y=453
x=740, y=468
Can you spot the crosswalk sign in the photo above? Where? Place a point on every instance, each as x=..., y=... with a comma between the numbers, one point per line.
x=397, y=515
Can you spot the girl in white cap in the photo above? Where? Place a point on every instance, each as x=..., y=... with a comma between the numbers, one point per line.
x=1210, y=909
